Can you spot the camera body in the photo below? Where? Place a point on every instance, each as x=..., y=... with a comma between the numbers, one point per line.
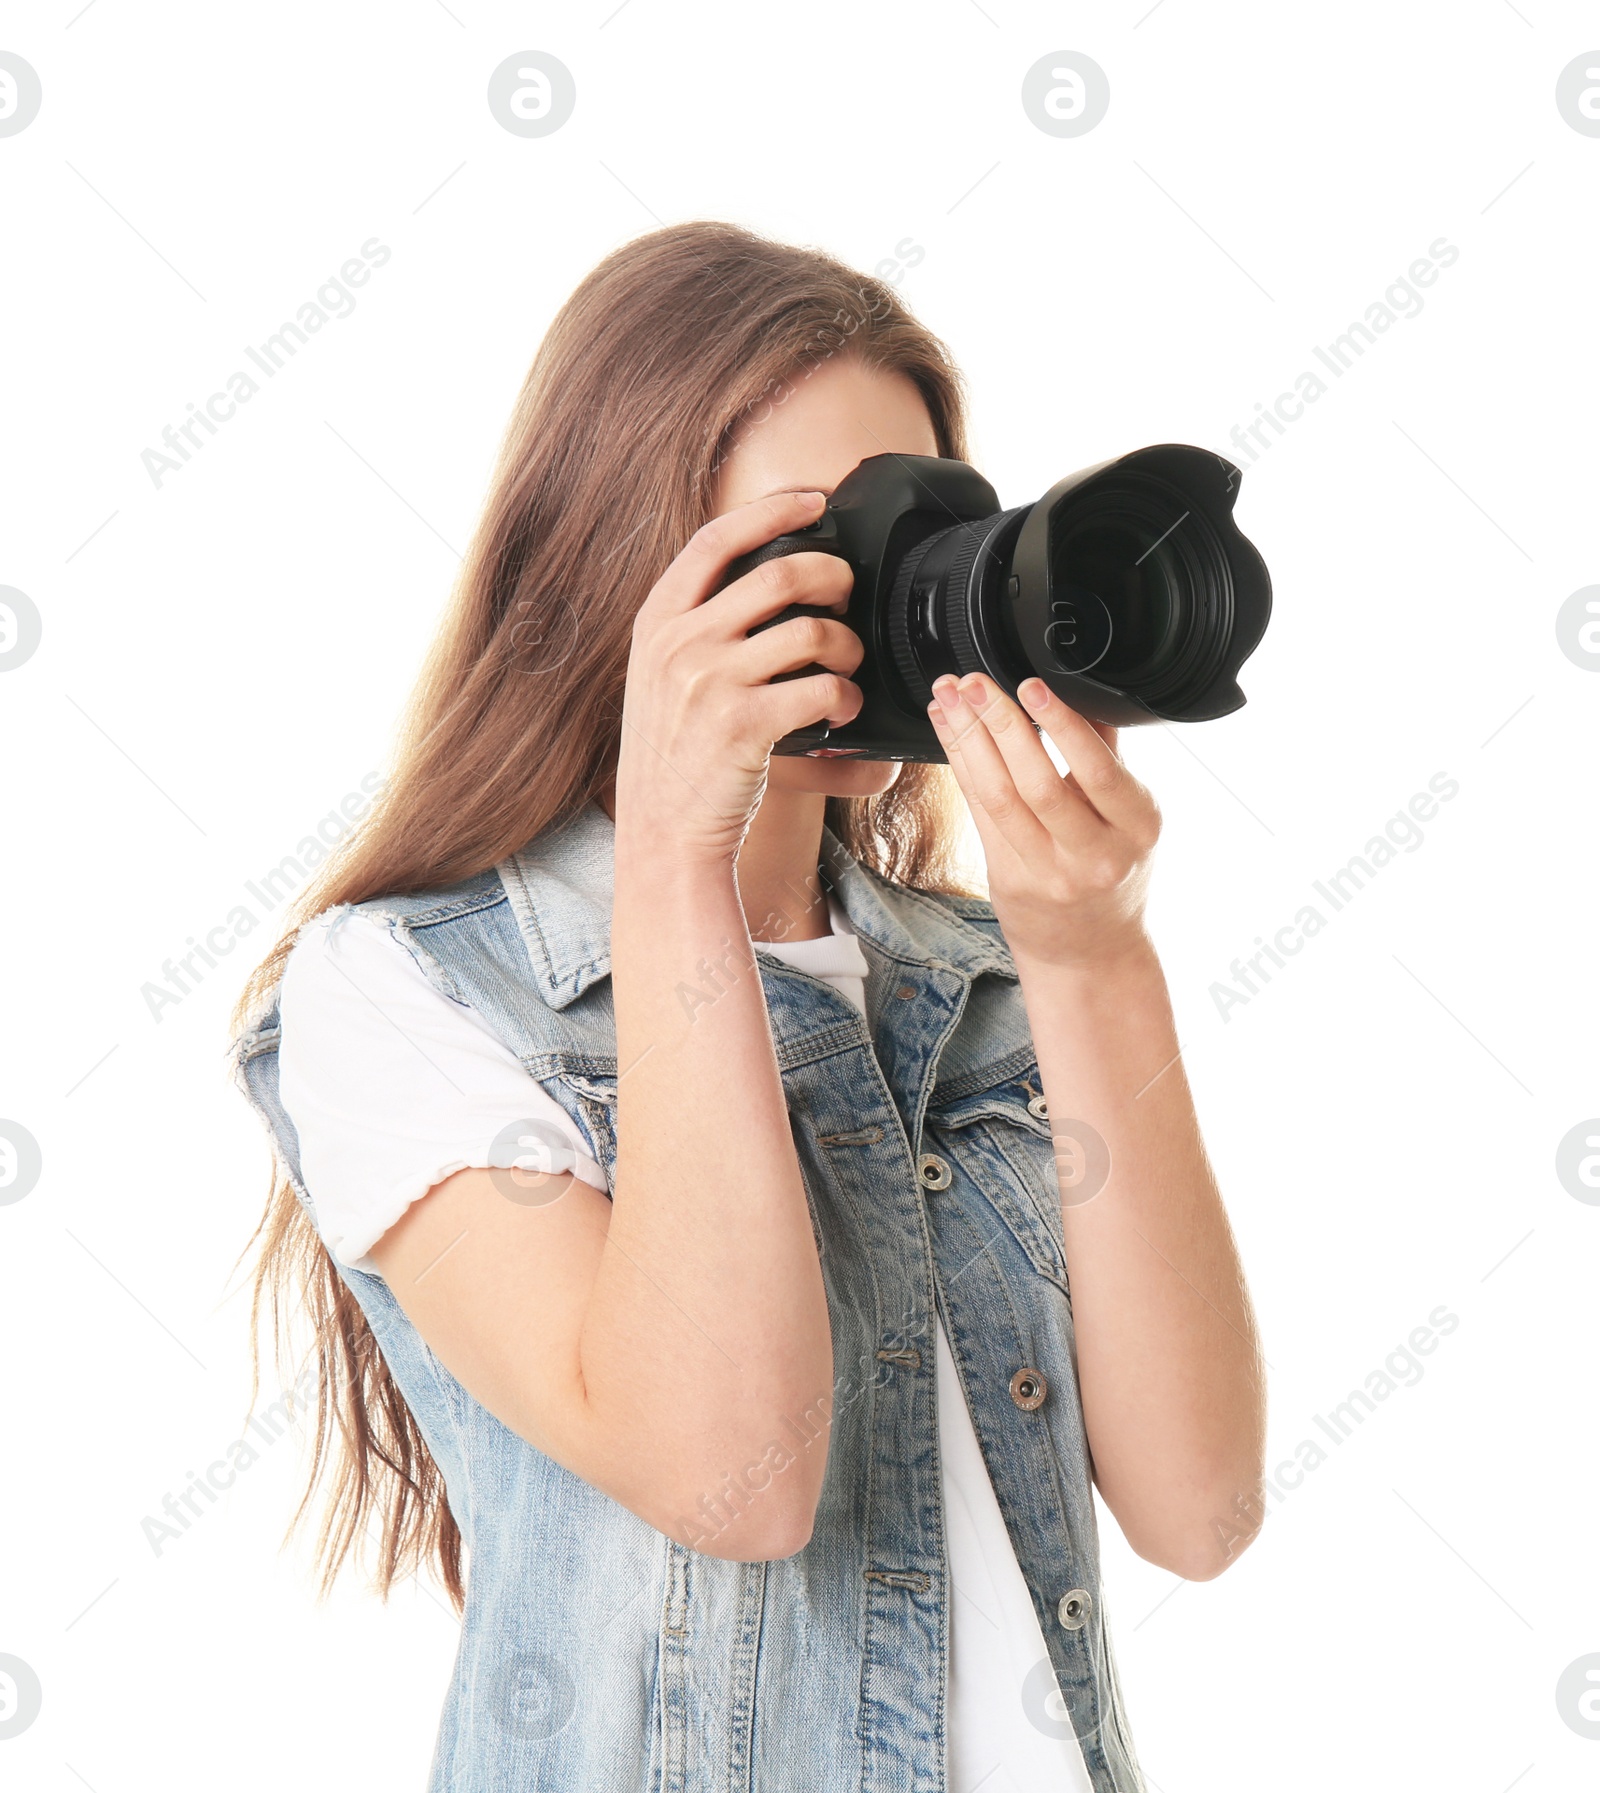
x=1127, y=588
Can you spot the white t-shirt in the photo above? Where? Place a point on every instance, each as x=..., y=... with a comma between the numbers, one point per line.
x=392, y=1087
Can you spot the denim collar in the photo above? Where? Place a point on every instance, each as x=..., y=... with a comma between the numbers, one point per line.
x=560, y=888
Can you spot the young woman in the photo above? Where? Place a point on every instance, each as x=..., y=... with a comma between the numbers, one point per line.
x=664, y=1127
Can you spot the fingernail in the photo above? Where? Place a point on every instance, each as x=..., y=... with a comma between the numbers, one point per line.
x=945, y=690
x=971, y=688
x=1035, y=693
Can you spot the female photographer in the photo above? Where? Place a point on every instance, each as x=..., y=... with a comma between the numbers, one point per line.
x=665, y=1129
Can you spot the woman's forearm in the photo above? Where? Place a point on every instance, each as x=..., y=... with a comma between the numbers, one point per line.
x=1168, y=1356
x=708, y=1320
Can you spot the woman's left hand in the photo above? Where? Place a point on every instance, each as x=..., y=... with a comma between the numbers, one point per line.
x=1168, y=1351
x=1068, y=857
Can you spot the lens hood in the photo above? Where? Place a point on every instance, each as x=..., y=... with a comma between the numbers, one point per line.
x=1170, y=508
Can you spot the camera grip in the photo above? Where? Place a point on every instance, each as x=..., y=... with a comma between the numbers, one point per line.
x=797, y=542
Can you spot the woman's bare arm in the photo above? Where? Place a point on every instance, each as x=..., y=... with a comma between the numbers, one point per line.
x=1170, y=1363
x=656, y=1343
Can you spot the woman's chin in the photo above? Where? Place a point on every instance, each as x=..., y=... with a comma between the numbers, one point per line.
x=841, y=776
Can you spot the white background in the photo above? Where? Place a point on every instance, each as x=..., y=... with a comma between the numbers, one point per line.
x=224, y=658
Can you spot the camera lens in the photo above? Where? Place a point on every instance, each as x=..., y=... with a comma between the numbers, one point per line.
x=1117, y=599
x=1140, y=591
x=945, y=608
x=1127, y=588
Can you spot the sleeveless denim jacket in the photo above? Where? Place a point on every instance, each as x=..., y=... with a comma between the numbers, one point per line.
x=599, y=1656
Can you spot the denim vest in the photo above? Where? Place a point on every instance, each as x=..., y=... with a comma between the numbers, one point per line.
x=599, y=1656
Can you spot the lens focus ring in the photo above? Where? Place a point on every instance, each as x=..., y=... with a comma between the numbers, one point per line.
x=930, y=628
x=898, y=624
x=970, y=540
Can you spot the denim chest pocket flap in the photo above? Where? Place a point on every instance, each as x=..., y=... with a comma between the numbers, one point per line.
x=1001, y=1139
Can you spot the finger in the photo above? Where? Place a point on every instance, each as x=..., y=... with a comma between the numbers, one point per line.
x=949, y=730
x=697, y=571
x=998, y=809
x=1057, y=802
x=805, y=578
x=799, y=642
x=1106, y=783
x=792, y=704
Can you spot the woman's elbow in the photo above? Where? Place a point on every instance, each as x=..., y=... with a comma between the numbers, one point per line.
x=1199, y=1536
x=1197, y=1556
x=765, y=1544
x=757, y=1531
x=763, y=1515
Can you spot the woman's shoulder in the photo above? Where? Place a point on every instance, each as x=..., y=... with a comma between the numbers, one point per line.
x=347, y=962
x=442, y=902
x=383, y=935
x=333, y=936
x=352, y=986
x=504, y=947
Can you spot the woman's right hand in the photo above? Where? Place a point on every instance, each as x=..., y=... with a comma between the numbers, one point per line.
x=653, y=1342
x=700, y=713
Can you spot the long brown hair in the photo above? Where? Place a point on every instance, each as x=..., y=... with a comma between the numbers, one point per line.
x=639, y=391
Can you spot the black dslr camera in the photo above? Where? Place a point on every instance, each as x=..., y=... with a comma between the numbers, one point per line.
x=1127, y=588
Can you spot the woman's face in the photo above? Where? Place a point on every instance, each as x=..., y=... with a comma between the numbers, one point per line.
x=832, y=420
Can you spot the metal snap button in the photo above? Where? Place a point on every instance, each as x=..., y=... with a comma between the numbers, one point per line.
x=906, y=992
x=1028, y=1389
x=1072, y=1609
x=933, y=1171
x=1039, y=1109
